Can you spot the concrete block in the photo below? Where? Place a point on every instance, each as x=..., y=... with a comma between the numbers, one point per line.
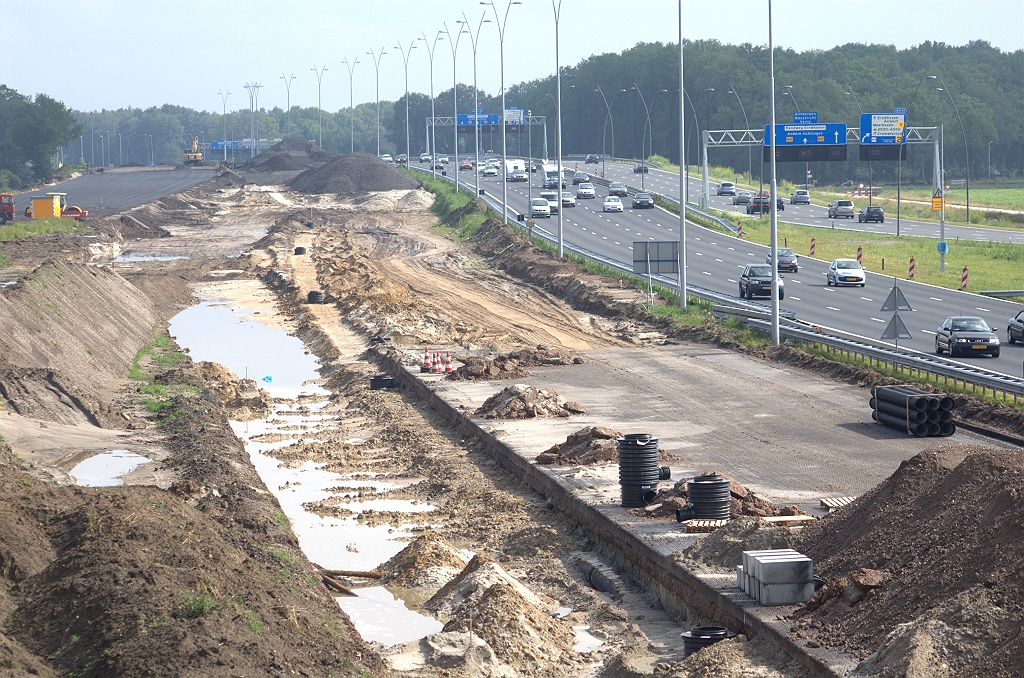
x=790, y=569
x=748, y=555
x=784, y=594
x=740, y=582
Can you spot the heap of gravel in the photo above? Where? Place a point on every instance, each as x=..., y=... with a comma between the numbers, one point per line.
x=289, y=155
x=353, y=173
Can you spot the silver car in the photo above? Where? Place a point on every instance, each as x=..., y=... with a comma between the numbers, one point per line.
x=845, y=272
x=841, y=208
x=586, y=191
x=539, y=208
x=612, y=204
x=568, y=200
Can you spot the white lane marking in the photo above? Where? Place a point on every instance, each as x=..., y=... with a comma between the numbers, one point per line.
x=878, y=320
x=750, y=254
x=732, y=249
x=629, y=248
x=604, y=237
x=798, y=282
x=617, y=242
x=866, y=299
x=979, y=308
x=698, y=254
x=928, y=332
x=731, y=280
x=696, y=238
x=705, y=273
x=796, y=298
x=935, y=299
x=832, y=308
x=718, y=260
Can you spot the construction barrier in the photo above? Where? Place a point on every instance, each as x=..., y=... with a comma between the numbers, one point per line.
x=963, y=280
x=812, y=246
x=911, y=274
x=739, y=230
x=860, y=255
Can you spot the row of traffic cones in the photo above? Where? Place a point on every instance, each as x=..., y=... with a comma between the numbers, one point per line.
x=432, y=363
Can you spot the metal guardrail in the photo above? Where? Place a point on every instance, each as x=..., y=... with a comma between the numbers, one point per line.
x=1003, y=294
x=798, y=330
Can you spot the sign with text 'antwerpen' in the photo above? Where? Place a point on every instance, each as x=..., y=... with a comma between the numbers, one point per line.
x=812, y=142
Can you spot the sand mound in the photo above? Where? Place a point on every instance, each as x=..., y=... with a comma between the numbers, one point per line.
x=944, y=526
x=511, y=365
x=416, y=200
x=472, y=583
x=520, y=401
x=289, y=155
x=590, y=445
x=243, y=399
x=724, y=547
x=353, y=173
x=428, y=562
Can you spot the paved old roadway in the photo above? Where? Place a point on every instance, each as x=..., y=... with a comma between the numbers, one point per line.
x=123, y=188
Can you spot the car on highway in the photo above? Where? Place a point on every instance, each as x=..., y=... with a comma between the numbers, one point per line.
x=402, y=159
x=438, y=164
x=386, y=157
x=539, y=208
x=841, y=208
x=553, y=199
x=741, y=197
x=612, y=204
x=465, y=165
x=424, y=157
x=586, y=191
x=967, y=335
x=592, y=159
x=1015, y=328
x=756, y=279
x=580, y=178
x=518, y=175
x=845, y=272
x=800, y=197
x=726, y=188
x=568, y=200
x=643, y=200
x=759, y=204
x=444, y=159
x=489, y=171
x=640, y=169
x=871, y=213
x=617, y=188
x=788, y=260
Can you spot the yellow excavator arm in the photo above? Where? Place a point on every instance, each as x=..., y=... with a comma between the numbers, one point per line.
x=195, y=145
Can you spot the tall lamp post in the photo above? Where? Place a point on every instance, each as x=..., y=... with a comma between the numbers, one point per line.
x=224, y=106
x=351, y=107
x=405, y=58
x=682, y=161
x=990, y=160
x=500, y=24
x=774, y=244
x=474, y=40
x=871, y=173
x=557, y=8
x=376, y=66
x=746, y=123
x=432, y=141
x=608, y=119
x=120, y=158
x=319, y=106
x=807, y=165
x=288, y=89
x=454, y=44
x=967, y=157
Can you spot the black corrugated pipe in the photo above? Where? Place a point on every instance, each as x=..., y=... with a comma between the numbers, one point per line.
x=898, y=411
x=896, y=397
x=700, y=637
x=947, y=429
x=900, y=424
x=639, y=472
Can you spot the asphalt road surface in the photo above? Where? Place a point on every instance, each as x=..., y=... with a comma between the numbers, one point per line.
x=715, y=261
x=122, y=189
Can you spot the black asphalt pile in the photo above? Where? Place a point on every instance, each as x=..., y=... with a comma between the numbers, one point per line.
x=590, y=445
x=290, y=155
x=351, y=174
x=511, y=365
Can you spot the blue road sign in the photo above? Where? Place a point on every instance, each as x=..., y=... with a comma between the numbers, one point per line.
x=883, y=128
x=465, y=119
x=899, y=111
x=225, y=145
x=805, y=118
x=825, y=134
x=942, y=247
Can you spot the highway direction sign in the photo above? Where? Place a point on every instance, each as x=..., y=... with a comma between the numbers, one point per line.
x=825, y=134
x=514, y=116
x=883, y=128
x=805, y=118
x=466, y=120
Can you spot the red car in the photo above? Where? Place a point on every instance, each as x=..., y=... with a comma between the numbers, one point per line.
x=465, y=165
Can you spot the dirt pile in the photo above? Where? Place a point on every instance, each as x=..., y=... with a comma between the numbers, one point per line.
x=520, y=401
x=428, y=562
x=743, y=501
x=242, y=399
x=289, y=155
x=939, y=531
x=511, y=365
x=590, y=445
x=729, y=659
x=353, y=173
x=724, y=547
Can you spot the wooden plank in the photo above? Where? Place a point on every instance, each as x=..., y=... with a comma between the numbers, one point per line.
x=698, y=525
x=836, y=502
x=783, y=520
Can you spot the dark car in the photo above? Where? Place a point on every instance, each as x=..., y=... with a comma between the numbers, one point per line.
x=592, y=159
x=871, y=213
x=757, y=279
x=965, y=335
x=403, y=159
x=642, y=200
x=1015, y=329
x=617, y=188
x=640, y=169
x=788, y=261
x=762, y=205
x=580, y=178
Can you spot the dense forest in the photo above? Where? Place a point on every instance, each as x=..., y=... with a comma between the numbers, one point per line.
x=722, y=83
x=31, y=130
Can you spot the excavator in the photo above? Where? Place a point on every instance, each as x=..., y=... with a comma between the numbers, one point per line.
x=194, y=157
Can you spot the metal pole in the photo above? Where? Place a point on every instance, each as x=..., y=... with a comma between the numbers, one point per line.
x=967, y=156
x=433, y=128
x=558, y=112
x=351, y=107
x=750, y=150
x=529, y=170
x=319, y=106
x=942, y=187
x=504, y=157
x=647, y=112
x=774, y=211
x=682, y=176
x=454, y=44
x=120, y=158
x=376, y=68
x=405, y=59
x=224, y=105
x=288, y=89
x=474, y=41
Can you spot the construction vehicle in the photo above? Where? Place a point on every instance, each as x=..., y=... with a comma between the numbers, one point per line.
x=194, y=157
x=53, y=205
x=6, y=208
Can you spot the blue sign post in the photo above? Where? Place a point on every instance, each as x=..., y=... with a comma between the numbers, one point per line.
x=810, y=142
x=883, y=136
x=484, y=119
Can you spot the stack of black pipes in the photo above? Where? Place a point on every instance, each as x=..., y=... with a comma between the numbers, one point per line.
x=913, y=411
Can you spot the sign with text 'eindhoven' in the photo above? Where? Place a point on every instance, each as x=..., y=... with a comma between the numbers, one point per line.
x=464, y=120
x=660, y=256
x=883, y=136
x=824, y=134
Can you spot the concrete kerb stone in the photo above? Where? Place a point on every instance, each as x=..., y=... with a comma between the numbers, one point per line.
x=732, y=609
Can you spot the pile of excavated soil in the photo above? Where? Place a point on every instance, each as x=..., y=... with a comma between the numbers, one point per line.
x=353, y=173
x=743, y=501
x=729, y=659
x=725, y=546
x=520, y=401
x=289, y=155
x=590, y=445
x=429, y=562
x=511, y=365
x=243, y=399
x=924, y=568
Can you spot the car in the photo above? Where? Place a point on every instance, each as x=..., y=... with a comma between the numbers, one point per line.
x=800, y=197
x=403, y=159
x=788, y=261
x=568, y=200
x=617, y=188
x=444, y=159
x=553, y=200
x=612, y=204
x=386, y=157
x=438, y=165
x=756, y=279
x=741, y=197
x=726, y=188
x=840, y=208
x=424, y=157
x=586, y=191
x=759, y=204
x=871, y=213
x=519, y=175
x=580, y=178
x=641, y=200
x=845, y=272
x=1015, y=328
x=968, y=335
x=592, y=159
x=489, y=171
x=533, y=167
x=465, y=165
x=640, y=169
x=539, y=208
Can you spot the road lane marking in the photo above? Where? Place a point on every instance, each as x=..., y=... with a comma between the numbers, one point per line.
x=928, y=332
x=935, y=299
x=718, y=260
x=878, y=320
x=866, y=299
x=731, y=280
x=796, y=298
x=705, y=273
x=832, y=308
x=979, y=308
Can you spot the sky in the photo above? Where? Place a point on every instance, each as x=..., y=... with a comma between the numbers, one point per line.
x=117, y=53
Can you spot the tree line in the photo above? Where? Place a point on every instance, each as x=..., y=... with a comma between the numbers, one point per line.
x=31, y=132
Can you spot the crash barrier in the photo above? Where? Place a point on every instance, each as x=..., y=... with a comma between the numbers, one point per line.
x=913, y=411
x=639, y=472
x=708, y=498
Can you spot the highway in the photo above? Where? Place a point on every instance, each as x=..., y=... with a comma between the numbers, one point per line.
x=121, y=189
x=667, y=183
x=715, y=261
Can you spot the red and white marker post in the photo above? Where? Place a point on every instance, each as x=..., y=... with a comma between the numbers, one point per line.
x=963, y=280
x=911, y=274
x=812, y=246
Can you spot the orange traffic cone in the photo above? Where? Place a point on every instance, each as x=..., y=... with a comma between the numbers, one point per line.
x=448, y=363
x=437, y=364
x=426, y=360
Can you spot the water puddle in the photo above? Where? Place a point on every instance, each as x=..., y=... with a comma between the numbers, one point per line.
x=106, y=469
x=381, y=616
x=584, y=641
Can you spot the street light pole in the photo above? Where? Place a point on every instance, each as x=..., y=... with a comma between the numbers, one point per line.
x=746, y=123
x=432, y=145
x=682, y=176
x=351, y=106
x=990, y=160
x=405, y=59
x=224, y=115
x=501, y=24
x=319, y=105
x=557, y=9
x=647, y=112
x=120, y=158
x=774, y=246
x=288, y=89
x=454, y=45
x=474, y=40
x=967, y=157
x=376, y=66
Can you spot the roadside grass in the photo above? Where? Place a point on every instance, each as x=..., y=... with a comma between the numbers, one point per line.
x=16, y=230
x=447, y=201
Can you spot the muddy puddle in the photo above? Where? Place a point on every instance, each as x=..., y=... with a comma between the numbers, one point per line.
x=107, y=468
x=244, y=333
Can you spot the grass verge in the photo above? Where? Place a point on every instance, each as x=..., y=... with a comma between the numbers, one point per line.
x=15, y=231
